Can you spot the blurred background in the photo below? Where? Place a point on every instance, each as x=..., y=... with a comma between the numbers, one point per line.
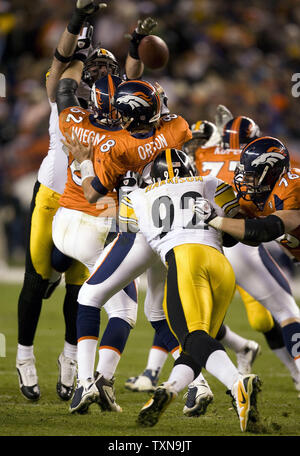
x=240, y=54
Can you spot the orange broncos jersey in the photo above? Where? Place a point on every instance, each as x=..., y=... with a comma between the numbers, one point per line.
x=217, y=162
x=77, y=119
x=284, y=196
x=132, y=153
x=115, y=153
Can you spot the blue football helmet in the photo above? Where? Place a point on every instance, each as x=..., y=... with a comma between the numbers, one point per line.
x=138, y=104
x=238, y=132
x=262, y=162
x=101, y=94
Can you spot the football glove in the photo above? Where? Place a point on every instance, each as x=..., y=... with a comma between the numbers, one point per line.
x=89, y=6
x=84, y=8
x=144, y=28
x=129, y=182
x=204, y=211
x=222, y=116
x=84, y=43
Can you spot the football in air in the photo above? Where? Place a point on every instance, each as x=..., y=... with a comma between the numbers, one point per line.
x=153, y=52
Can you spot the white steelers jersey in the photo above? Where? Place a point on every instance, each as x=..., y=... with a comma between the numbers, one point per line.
x=53, y=170
x=163, y=212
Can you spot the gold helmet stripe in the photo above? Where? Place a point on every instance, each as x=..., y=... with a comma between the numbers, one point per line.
x=169, y=163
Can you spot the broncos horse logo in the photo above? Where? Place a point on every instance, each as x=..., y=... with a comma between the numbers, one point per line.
x=136, y=100
x=271, y=157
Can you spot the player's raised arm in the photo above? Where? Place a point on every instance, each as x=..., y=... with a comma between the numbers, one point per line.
x=64, y=52
x=134, y=67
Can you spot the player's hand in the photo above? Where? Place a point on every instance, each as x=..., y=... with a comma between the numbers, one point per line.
x=146, y=26
x=129, y=182
x=90, y=7
x=204, y=210
x=222, y=116
x=84, y=40
x=78, y=150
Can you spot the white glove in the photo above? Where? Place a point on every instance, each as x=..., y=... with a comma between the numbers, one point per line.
x=204, y=210
x=222, y=116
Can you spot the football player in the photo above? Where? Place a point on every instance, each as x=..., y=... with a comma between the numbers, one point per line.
x=142, y=137
x=268, y=190
x=219, y=157
x=40, y=278
x=200, y=281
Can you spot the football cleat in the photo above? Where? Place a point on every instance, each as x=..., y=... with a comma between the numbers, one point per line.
x=67, y=369
x=198, y=397
x=246, y=357
x=85, y=394
x=105, y=394
x=154, y=408
x=146, y=382
x=244, y=399
x=28, y=379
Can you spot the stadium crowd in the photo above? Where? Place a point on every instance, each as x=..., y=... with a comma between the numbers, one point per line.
x=242, y=55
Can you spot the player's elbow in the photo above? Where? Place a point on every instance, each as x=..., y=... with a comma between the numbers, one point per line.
x=66, y=94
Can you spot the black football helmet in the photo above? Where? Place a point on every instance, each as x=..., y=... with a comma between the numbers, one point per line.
x=238, y=132
x=100, y=103
x=262, y=162
x=172, y=163
x=138, y=104
x=205, y=134
x=98, y=64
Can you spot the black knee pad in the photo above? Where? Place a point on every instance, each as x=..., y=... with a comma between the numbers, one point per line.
x=200, y=345
x=186, y=359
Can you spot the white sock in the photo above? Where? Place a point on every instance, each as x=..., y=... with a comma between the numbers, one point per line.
x=175, y=353
x=70, y=351
x=156, y=359
x=199, y=378
x=220, y=366
x=180, y=377
x=108, y=361
x=86, y=352
x=24, y=352
x=288, y=361
x=297, y=364
x=233, y=340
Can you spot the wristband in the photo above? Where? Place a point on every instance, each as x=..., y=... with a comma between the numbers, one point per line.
x=216, y=223
x=134, y=44
x=76, y=22
x=87, y=169
x=62, y=58
x=79, y=56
